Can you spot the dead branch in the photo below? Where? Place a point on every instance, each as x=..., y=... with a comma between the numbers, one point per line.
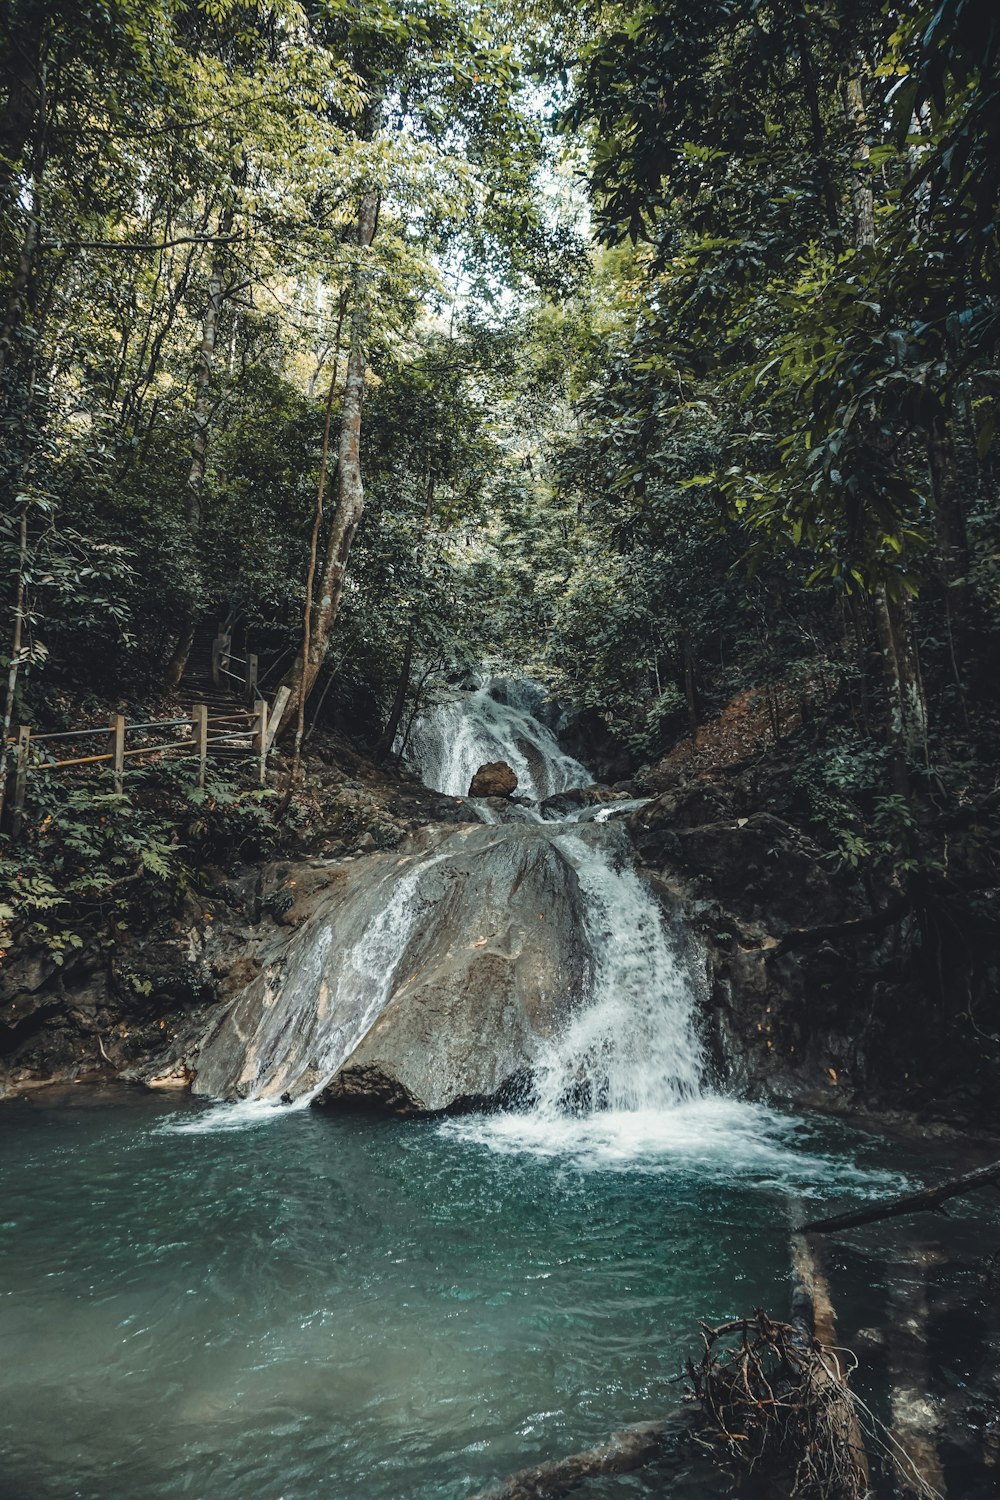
x=624, y=1452
x=908, y=1203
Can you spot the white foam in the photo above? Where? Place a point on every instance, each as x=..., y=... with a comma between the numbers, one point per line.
x=632, y=1045
x=719, y=1139
x=242, y=1115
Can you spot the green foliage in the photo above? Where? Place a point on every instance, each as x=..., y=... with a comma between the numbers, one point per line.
x=73, y=872
x=90, y=858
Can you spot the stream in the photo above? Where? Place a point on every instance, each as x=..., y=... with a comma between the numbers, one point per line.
x=234, y=1295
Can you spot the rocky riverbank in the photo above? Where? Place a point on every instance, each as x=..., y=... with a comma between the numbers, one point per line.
x=814, y=996
x=131, y=1008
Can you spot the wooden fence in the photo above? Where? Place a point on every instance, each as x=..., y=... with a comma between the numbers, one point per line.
x=206, y=732
x=223, y=662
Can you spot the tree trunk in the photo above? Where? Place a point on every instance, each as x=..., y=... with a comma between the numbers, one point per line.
x=388, y=736
x=904, y=685
x=861, y=192
x=307, y=613
x=624, y=1452
x=908, y=1203
x=200, y=419
x=350, y=487
x=35, y=130
x=810, y=88
x=893, y=618
x=18, y=297
x=15, y=654
x=690, y=686
x=22, y=83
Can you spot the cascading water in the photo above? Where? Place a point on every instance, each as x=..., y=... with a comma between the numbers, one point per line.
x=633, y=1045
x=429, y=978
x=294, y=1030
x=498, y=721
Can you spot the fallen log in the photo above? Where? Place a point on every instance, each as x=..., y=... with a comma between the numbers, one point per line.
x=815, y=1320
x=907, y=1203
x=625, y=1451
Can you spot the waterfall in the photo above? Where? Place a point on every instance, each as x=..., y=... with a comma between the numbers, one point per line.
x=498, y=721
x=287, y=1035
x=486, y=956
x=633, y=1044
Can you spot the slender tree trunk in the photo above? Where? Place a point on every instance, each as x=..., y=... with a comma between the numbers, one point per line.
x=388, y=736
x=22, y=82
x=202, y=413
x=810, y=88
x=904, y=685
x=15, y=655
x=19, y=298
x=952, y=553
x=861, y=193
x=200, y=420
x=307, y=613
x=690, y=685
x=861, y=632
x=350, y=486
x=893, y=617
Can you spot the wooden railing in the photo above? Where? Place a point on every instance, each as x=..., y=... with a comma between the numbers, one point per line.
x=223, y=662
x=205, y=732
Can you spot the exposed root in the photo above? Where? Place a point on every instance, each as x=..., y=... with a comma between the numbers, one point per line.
x=777, y=1402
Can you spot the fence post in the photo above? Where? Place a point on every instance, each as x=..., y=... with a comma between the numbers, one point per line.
x=20, y=778
x=252, y=696
x=278, y=707
x=199, y=733
x=260, y=738
x=118, y=750
x=220, y=655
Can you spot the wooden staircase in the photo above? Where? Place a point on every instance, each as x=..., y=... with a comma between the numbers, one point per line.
x=227, y=686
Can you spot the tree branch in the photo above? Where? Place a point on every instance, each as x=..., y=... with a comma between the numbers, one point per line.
x=909, y=1203
x=198, y=239
x=804, y=937
x=629, y=1449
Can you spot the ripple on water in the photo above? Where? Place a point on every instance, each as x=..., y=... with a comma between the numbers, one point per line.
x=238, y=1116
x=386, y=1310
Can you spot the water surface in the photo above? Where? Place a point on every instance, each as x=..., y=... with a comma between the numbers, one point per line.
x=311, y=1303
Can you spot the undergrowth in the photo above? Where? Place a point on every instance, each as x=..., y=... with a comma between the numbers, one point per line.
x=89, y=859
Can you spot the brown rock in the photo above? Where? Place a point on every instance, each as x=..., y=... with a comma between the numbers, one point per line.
x=493, y=780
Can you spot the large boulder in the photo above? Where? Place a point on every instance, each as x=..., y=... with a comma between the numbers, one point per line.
x=496, y=779
x=490, y=977
x=415, y=979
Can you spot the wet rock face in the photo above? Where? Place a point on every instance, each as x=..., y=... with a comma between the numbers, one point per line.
x=782, y=1023
x=745, y=877
x=496, y=779
x=485, y=983
x=579, y=797
x=414, y=980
